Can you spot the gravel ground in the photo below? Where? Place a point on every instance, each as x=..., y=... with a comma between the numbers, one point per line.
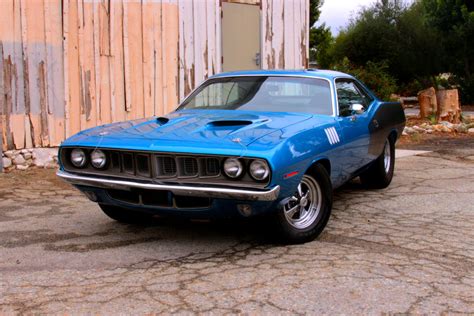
x=406, y=249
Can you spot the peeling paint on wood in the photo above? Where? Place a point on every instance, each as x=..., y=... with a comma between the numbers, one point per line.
x=71, y=64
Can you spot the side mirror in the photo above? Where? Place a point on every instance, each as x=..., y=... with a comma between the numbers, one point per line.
x=357, y=108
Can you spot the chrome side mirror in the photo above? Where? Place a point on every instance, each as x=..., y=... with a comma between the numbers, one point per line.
x=357, y=108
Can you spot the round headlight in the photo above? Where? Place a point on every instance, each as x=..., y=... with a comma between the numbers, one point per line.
x=78, y=158
x=98, y=159
x=233, y=168
x=259, y=170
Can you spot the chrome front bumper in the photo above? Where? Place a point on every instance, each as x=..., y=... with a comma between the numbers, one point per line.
x=184, y=190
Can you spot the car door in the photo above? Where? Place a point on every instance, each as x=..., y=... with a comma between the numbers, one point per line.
x=353, y=103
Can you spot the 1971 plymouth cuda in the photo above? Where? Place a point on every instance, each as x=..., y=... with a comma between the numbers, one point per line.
x=243, y=143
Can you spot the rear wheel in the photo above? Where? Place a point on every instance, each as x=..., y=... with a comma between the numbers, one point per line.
x=305, y=214
x=124, y=215
x=380, y=174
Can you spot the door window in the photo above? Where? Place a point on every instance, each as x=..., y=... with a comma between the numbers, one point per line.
x=348, y=94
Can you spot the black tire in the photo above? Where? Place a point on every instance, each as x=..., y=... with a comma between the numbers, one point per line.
x=379, y=175
x=124, y=215
x=294, y=228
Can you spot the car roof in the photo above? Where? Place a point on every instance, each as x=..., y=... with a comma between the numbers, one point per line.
x=316, y=73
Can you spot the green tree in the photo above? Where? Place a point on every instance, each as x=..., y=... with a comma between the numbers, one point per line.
x=394, y=34
x=454, y=19
x=320, y=37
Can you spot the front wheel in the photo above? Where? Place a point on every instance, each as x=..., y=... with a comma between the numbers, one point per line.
x=305, y=214
x=380, y=174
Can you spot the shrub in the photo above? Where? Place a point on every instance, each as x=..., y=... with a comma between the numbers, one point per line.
x=374, y=75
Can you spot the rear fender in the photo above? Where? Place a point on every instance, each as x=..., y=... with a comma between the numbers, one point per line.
x=387, y=117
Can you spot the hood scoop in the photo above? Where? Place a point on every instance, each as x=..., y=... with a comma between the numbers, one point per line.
x=162, y=120
x=229, y=123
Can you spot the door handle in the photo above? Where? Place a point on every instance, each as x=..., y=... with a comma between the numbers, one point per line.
x=257, y=59
x=353, y=118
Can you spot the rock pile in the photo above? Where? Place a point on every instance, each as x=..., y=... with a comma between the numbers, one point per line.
x=26, y=158
x=444, y=127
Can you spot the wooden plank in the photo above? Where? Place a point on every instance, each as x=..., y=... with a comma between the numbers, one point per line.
x=54, y=71
x=188, y=43
x=158, y=60
x=268, y=59
x=305, y=10
x=97, y=106
x=126, y=59
x=35, y=34
x=289, y=35
x=181, y=61
x=72, y=70
x=210, y=53
x=101, y=57
x=170, y=61
x=297, y=23
x=218, y=13
x=118, y=66
x=18, y=93
x=84, y=102
x=200, y=43
x=278, y=33
x=148, y=57
x=29, y=133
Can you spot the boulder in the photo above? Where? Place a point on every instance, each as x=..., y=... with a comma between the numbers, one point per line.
x=44, y=156
x=7, y=162
x=19, y=160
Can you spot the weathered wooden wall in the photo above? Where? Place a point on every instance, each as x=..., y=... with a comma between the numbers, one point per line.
x=285, y=34
x=67, y=65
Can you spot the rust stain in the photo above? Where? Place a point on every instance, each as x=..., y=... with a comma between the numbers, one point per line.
x=87, y=95
x=7, y=95
x=43, y=106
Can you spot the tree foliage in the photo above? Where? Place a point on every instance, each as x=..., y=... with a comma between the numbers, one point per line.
x=454, y=19
x=392, y=33
x=320, y=37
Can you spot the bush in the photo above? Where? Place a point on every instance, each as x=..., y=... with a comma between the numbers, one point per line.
x=374, y=75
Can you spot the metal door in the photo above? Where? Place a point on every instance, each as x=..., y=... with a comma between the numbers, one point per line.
x=240, y=36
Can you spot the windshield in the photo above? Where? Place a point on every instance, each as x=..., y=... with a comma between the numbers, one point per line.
x=263, y=93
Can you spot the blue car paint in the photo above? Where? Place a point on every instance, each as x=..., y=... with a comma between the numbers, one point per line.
x=290, y=142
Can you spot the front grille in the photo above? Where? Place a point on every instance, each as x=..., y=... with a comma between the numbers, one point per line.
x=166, y=166
x=211, y=167
x=163, y=167
x=189, y=167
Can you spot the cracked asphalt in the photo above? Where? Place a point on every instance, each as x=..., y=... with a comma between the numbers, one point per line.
x=406, y=249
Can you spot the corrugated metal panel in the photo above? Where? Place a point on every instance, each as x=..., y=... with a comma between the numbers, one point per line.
x=66, y=65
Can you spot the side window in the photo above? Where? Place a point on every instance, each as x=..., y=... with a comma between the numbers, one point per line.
x=348, y=93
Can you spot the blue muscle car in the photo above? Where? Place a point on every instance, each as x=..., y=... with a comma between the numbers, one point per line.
x=243, y=143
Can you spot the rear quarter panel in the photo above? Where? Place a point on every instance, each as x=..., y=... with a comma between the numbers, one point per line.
x=387, y=117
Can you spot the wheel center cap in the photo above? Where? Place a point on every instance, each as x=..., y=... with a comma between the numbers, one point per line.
x=303, y=201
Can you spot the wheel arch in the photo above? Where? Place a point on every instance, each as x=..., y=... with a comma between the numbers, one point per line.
x=324, y=162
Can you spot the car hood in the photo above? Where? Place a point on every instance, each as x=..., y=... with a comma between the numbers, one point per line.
x=190, y=128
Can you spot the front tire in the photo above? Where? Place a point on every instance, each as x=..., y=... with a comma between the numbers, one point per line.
x=380, y=174
x=124, y=215
x=305, y=214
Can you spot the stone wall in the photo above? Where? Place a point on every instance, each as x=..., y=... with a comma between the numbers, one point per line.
x=27, y=158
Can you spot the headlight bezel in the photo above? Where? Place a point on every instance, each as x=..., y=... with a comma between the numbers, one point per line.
x=103, y=164
x=241, y=171
x=83, y=164
x=263, y=163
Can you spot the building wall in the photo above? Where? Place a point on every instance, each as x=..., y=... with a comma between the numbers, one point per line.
x=67, y=65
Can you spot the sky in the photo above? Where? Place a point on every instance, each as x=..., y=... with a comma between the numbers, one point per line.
x=336, y=13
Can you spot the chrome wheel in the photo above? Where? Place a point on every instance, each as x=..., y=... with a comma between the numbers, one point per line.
x=387, y=157
x=304, y=206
